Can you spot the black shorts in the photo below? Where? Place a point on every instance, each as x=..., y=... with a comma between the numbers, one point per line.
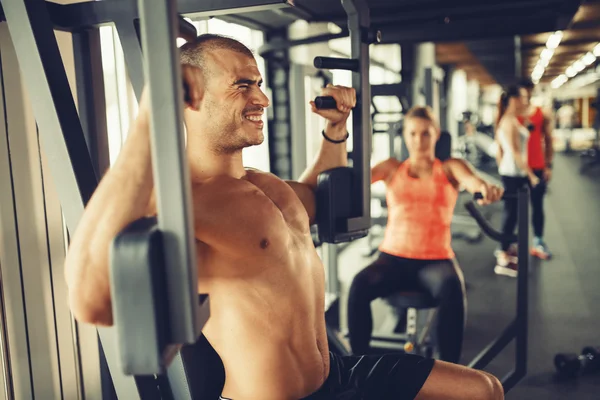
x=390, y=376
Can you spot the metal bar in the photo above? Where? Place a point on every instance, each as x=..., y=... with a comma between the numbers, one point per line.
x=59, y=126
x=348, y=64
x=158, y=25
x=428, y=86
x=494, y=348
x=132, y=52
x=454, y=11
x=510, y=380
x=444, y=100
x=563, y=43
x=186, y=30
x=486, y=227
x=297, y=74
x=90, y=96
x=53, y=105
x=522, y=284
x=89, y=77
x=125, y=386
x=465, y=30
x=8, y=384
x=358, y=25
x=330, y=255
x=241, y=19
x=518, y=58
x=86, y=14
x=8, y=381
x=389, y=89
x=284, y=45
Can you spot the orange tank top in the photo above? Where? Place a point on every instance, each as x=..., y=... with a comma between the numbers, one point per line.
x=419, y=215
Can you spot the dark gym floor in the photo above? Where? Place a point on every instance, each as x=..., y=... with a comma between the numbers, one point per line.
x=564, y=292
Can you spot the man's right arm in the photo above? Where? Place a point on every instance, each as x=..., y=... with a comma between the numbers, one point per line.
x=121, y=198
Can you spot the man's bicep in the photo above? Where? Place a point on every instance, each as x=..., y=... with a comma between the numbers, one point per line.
x=307, y=196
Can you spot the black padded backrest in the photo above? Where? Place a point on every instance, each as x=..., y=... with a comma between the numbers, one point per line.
x=443, y=147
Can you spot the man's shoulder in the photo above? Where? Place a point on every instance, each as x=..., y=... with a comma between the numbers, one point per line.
x=219, y=186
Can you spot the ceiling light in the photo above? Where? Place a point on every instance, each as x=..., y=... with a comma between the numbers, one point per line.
x=571, y=72
x=597, y=50
x=546, y=54
x=588, y=58
x=559, y=81
x=333, y=28
x=579, y=65
x=554, y=40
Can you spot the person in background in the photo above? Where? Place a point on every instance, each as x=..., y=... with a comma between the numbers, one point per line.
x=416, y=252
x=539, y=158
x=513, y=167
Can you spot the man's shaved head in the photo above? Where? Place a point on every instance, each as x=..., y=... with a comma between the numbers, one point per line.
x=196, y=52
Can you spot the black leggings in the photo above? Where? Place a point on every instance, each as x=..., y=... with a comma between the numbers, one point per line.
x=509, y=220
x=537, y=204
x=388, y=275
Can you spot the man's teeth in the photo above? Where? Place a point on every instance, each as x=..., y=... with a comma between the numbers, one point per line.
x=255, y=118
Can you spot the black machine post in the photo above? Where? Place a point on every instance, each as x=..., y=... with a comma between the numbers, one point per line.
x=518, y=328
x=62, y=136
x=361, y=35
x=159, y=26
x=522, y=296
x=344, y=194
x=153, y=261
x=132, y=53
x=591, y=157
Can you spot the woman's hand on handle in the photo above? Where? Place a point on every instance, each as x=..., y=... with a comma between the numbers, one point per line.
x=490, y=193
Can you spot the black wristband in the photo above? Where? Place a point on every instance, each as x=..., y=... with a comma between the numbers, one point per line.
x=335, y=141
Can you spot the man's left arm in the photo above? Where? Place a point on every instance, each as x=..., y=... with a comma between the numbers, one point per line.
x=333, y=152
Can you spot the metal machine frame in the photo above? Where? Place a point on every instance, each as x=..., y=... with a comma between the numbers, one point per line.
x=68, y=137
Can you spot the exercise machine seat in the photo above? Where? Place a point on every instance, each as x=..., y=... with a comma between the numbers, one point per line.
x=417, y=300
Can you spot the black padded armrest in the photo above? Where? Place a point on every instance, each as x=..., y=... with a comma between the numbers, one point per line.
x=335, y=207
x=138, y=292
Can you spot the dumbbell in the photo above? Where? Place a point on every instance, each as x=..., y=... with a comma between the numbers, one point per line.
x=571, y=365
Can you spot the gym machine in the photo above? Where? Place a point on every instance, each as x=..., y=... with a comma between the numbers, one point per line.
x=149, y=364
x=518, y=328
x=591, y=156
x=166, y=371
x=344, y=194
x=152, y=357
